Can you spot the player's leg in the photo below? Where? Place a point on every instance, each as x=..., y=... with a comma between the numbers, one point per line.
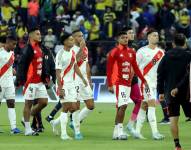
x=164, y=106
x=122, y=95
x=174, y=112
x=135, y=95
x=10, y=97
x=186, y=106
x=64, y=119
x=86, y=94
x=34, y=121
x=140, y=120
x=54, y=111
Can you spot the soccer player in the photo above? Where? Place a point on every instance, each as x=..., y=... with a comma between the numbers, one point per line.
x=135, y=93
x=7, y=89
x=171, y=70
x=83, y=93
x=66, y=67
x=125, y=58
x=34, y=72
x=148, y=58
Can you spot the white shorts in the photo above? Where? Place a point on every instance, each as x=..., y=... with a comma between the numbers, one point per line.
x=35, y=91
x=122, y=94
x=152, y=95
x=83, y=93
x=7, y=93
x=70, y=93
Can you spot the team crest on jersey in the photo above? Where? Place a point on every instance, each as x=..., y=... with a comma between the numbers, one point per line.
x=46, y=57
x=121, y=55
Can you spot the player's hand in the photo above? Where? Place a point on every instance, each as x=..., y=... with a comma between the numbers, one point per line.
x=82, y=44
x=110, y=89
x=161, y=97
x=147, y=89
x=174, y=92
x=61, y=93
x=85, y=82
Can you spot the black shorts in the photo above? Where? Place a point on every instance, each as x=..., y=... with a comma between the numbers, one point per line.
x=174, y=107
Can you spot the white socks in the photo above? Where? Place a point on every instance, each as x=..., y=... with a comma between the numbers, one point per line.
x=27, y=127
x=84, y=113
x=120, y=129
x=63, y=122
x=56, y=121
x=76, y=121
x=131, y=123
x=115, y=131
x=152, y=119
x=140, y=120
x=12, y=117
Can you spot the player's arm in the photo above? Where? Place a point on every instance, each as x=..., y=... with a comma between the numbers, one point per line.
x=78, y=72
x=88, y=70
x=109, y=68
x=161, y=78
x=58, y=74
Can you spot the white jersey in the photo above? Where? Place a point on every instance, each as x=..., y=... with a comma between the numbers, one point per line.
x=6, y=80
x=144, y=56
x=82, y=64
x=65, y=61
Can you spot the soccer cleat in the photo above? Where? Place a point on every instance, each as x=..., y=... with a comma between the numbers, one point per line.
x=78, y=136
x=48, y=118
x=71, y=125
x=65, y=137
x=31, y=133
x=158, y=136
x=54, y=129
x=130, y=129
x=15, y=131
x=40, y=130
x=178, y=148
x=138, y=136
x=122, y=137
x=115, y=138
x=164, y=121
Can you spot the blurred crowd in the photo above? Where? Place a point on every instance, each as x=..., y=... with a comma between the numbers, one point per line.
x=99, y=20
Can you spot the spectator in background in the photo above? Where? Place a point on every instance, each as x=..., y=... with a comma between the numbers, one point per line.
x=47, y=9
x=118, y=7
x=3, y=28
x=100, y=63
x=6, y=11
x=183, y=25
x=100, y=8
x=73, y=5
x=33, y=12
x=109, y=17
x=21, y=30
x=23, y=11
x=50, y=40
x=93, y=26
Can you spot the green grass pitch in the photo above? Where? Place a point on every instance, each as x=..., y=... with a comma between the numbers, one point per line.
x=97, y=130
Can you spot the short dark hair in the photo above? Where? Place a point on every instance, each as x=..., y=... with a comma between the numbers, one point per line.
x=11, y=37
x=75, y=31
x=151, y=31
x=179, y=39
x=121, y=33
x=125, y=29
x=3, y=39
x=64, y=37
x=32, y=29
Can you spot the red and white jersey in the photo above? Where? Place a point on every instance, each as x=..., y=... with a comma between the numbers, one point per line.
x=148, y=60
x=82, y=63
x=6, y=80
x=65, y=61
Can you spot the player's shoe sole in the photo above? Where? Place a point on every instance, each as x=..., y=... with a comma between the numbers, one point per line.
x=66, y=137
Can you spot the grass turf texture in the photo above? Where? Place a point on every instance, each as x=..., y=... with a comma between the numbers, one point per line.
x=97, y=130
